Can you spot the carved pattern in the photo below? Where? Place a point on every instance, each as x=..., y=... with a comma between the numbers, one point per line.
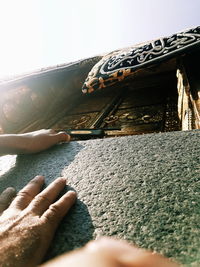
x=118, y=65
x=157, y=49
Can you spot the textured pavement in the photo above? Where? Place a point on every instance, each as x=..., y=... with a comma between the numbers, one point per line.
x=144, y=189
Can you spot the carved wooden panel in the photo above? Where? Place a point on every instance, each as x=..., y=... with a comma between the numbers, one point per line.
x=128, y=109
x=154, y=101
x=37, y=100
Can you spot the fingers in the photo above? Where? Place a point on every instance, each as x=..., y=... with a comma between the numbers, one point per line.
x=25, y=196
x=127, y=255
x=57, y=137
x=43, y=200
x=59, y=209
x=6, y=198
x=62, y=137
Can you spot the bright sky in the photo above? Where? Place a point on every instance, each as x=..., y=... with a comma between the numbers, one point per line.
x=42, y=33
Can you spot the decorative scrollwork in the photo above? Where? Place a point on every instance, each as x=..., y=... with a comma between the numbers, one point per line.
x=111, y=119
x=155, y=50
x=80, y=123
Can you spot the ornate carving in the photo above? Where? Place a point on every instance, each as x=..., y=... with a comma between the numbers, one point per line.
x=150, y=52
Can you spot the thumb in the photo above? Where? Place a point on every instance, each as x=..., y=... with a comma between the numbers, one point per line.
x=6, y=198
x=62, y=137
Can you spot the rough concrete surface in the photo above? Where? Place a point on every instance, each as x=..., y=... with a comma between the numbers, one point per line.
x=144, y=189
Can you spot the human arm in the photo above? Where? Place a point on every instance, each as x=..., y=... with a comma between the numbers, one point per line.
x=28, y=225
x=31, y=142
x=109, y=252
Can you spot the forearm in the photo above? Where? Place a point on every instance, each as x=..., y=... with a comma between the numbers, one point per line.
x=11, y=144
x=31, y=142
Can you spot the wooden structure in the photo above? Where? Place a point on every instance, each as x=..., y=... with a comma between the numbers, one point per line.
x=159, y=98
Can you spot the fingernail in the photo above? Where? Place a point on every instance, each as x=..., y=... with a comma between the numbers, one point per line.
x=64, y=136
x=39, y=178
x=67, y=137
x=10, y=190
x=64, y=179
x=72, y=194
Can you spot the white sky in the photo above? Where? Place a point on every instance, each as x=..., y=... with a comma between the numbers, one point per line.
x=41, y=33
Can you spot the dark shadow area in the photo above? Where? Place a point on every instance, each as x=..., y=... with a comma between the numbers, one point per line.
x=49, y=163
x=75, y=231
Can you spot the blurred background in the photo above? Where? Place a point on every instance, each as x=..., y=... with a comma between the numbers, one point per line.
x=36, y=34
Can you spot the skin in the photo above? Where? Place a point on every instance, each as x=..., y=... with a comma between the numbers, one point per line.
x=32, y=142
x=29, y=223
x=108, y=252
x=6, y=198
x=27, y=143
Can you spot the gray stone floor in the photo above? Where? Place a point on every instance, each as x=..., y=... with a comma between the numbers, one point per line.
x=144, y=189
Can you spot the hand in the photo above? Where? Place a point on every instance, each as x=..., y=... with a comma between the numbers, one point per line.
x=43, y=139
x=28, y=225
x=6, y=198
x=108, y=252
x=32, y=142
